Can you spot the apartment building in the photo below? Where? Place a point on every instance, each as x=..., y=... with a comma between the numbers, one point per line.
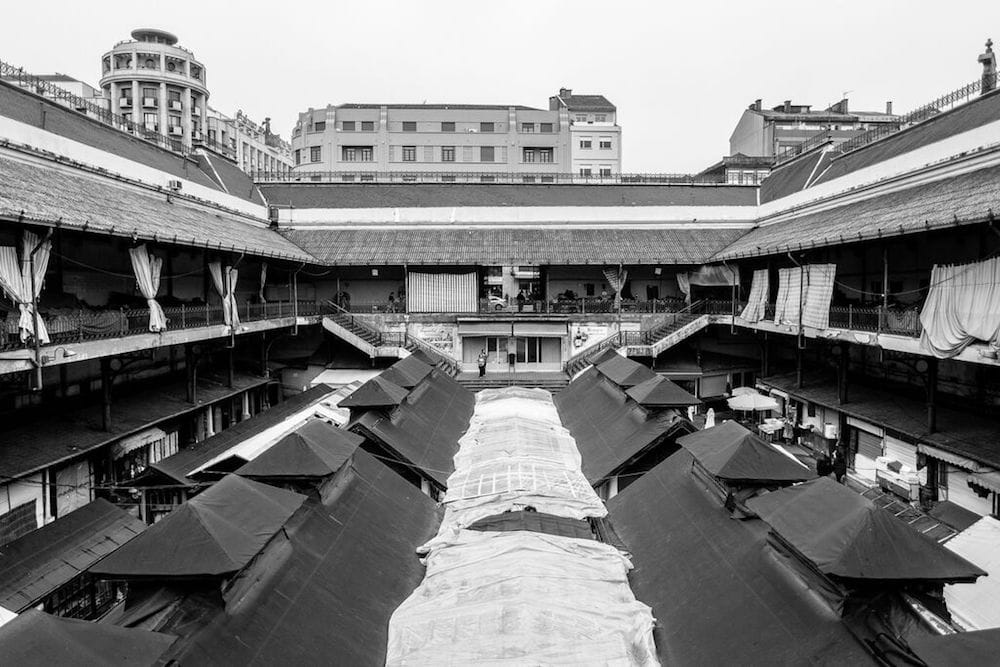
x=595, y=136
x=253, y=146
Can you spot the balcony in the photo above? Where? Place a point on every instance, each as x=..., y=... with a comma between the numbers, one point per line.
x=125, y=102
x=149, y=102
x=176, y=131
x=175, y=105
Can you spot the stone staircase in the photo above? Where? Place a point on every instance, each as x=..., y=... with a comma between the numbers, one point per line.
x=552, y=382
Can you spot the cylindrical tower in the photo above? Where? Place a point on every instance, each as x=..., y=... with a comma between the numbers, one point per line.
x=157, y=85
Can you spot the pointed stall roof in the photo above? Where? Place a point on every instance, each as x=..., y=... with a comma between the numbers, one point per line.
x=624, y=372
x=316, y=449
x=407, y=372
x=600, y=357
x=732, y=453
x=376, y=393
x=845, y=535
x=37, y=638
x=659, y=392
x=214, y=533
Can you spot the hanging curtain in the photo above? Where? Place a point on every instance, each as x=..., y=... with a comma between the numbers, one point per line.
x=263, y=281
x=147, y=275
x=757, y=302
x=442, y=292
x=963, y=306
x=227, y=291
x=817, y=293
x=685, y=286
x=616, y=278
x=15, y=279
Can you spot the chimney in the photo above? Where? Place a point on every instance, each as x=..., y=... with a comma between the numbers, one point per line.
x=989, y=63
x=756, y=104
x=888, y=108
x=565, y=92
x=788, y=106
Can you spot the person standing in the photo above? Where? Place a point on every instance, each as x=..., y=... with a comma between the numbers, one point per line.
x=520, y=301
x=839, y=465
x=482, y=362
x=392, y=303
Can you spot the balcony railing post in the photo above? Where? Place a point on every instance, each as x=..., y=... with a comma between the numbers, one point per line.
x=183, y=317
x=850, y=316
x=79, y=324
x=208, y=317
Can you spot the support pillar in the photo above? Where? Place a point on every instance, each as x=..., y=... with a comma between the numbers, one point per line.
x=263, y=355
x=229, y=368
x=191, y=368
x=842, y=364
x=765, y=361
x=798, y=367
x=106, y=379
x=932, y=375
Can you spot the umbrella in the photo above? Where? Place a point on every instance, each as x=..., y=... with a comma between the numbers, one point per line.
x=752, y=402
x=739, y=391
x=710, y=418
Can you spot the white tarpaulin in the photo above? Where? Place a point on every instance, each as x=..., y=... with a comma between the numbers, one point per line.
x=757, y=302
x=441, y=293
x=707, y=276
x=804, y=294
x=963, y=306
x=975, y=605
x=147, y=276
x=520, y=597
x=16, y=281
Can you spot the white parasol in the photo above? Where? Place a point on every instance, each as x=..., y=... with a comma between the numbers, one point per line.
x=752, y=403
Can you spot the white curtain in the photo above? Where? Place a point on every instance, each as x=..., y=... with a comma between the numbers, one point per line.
x=616, y=278
x=441, y=292
x=263, y=281
x=684, y=283
x=817, y=293
x=147, y=275
x=757, y=302
x=784, y=287
x=227, y=291
x=15, y=279
x=963, y=306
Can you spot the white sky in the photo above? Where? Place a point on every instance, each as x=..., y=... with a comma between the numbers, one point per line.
x=679, y=73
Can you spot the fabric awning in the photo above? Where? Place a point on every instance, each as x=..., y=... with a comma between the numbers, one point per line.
x=133, y=442
x=484, y=328
x=987, y=479
x=539, y=328
x=948, y=457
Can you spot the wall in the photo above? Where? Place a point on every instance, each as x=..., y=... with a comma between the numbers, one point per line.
x=24, y=491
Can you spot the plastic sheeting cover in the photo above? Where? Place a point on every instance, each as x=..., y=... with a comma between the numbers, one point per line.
x=975, y=605
x=517, y=596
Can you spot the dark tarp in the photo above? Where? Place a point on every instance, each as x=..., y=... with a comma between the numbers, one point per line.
x=315, y=449
x=37, y=564
x=424, y=430
x=609, y=427
x=717, y=596
x=176, y=467
x=604, y=355
x=535, y=522
x=624, y=372
x=407, y=372
x=322, y=592
x=37, y=638
x=731, y=452
x=845, y=535
x=659, y=392
x=214, y=533
x=962, y=649
x=376, y=393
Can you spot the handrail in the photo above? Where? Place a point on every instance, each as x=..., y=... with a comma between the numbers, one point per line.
x=452, y=364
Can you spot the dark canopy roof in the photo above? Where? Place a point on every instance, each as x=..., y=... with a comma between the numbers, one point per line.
x=535, y=522
x=961, y=649
x=424, y=429
x=212, y=534
x=609, y=428
x=659, y=392
x=733, y=453
x=376, y=393
x=37, y=638
x=844, y=534
x=624, y=372
x=407, y=372
x=36, y=564
x=315, y=449
x=717, y=596
x=326, y=591
x=602, y=356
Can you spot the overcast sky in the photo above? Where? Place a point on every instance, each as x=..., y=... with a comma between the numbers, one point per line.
x=680, y=73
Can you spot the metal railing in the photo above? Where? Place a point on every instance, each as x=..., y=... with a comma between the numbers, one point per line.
x=877, y=319
x=519, y=177
x=88, y=325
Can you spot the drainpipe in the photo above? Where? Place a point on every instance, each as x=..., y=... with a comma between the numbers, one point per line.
x=34, y=310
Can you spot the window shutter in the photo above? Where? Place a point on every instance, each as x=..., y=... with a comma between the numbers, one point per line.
x=428, y=154
x=468, y=154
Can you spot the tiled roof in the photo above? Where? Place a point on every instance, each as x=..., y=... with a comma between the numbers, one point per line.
x=409, y=195
x=587, y=103
x=72, y=198
x=513, y=246
x=963, y=199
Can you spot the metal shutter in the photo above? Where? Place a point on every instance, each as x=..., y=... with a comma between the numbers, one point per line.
x=869, y=446
x=901, y=451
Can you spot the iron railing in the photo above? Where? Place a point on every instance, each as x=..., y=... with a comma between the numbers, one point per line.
x=87, y=325
x=519, y=177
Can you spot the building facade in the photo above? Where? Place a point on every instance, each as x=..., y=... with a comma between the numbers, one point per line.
x=595, y=136
x=252, y=146
x=160, y=86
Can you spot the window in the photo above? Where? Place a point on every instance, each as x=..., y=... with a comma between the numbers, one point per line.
x=529, y=155
x=487, y=179
x=467, y=153
x=409, y=153
x=588, y=289
x=486, y=127
x=367, y=126
x=605, y=144
x=548, y=179
x=527, y=179
x=447, y=126
x=605, y=171
x=527, y=127
x=545, y=154
x=127, y=116
x=320, y=126
x=347, y=126
x=600, y=118
x=409, y=126
x=349, y=154
x=347, y=178
x=585, y=172
x=580, y=118
x=447, y=153
x=174, y=121
x=172, y=95
x=298, y=156
x=149, y=120
x=586, y=143
x=486, y=153
x=545, y=127
x=367, y=154
x=367, y=178
x=447, y=179
x=149, y=92
x=315, y=153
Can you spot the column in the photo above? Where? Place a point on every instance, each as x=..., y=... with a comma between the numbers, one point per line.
x=161, y=110
x=106, y=379
x=186, y=112
x=136, y=104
